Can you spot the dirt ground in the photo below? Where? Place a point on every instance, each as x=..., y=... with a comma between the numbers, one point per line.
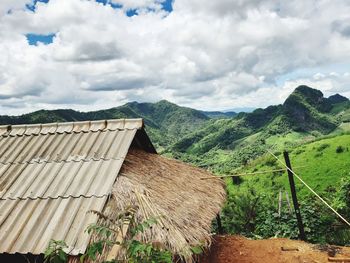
x=236, y=249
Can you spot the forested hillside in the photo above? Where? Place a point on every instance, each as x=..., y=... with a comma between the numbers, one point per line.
x=165, y=122
x=227, y=144
x=221, y=141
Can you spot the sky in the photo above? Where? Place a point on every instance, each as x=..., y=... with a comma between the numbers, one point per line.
x=204, y=54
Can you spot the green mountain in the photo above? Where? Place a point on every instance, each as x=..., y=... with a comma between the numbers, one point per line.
x=226, y=144
x=307, y=110
x=221, y=141
x=165, y=121
x=219, y=114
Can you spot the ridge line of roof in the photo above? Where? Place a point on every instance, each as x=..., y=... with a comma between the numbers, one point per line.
x=69, y=127
x=92, y=159
x=53, y=198
x=65, y=132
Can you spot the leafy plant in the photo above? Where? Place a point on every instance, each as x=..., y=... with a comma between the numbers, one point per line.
x=136, y=251
x=316, y=220
x=240, y=213
x=54, y=253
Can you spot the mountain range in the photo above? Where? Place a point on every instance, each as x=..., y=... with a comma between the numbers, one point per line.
x=221, y=140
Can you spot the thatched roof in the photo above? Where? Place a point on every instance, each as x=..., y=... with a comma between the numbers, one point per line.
x=172, y=191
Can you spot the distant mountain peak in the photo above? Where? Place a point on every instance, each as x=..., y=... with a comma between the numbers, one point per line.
x=307, y=109
x=337, y=98
x=165, y=101
x=309, y=92
x=308, y=96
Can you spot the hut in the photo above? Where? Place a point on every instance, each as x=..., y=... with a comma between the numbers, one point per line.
x=52, y=176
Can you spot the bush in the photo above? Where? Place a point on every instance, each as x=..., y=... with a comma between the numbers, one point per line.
x=318, y=154
x=299, y=151
x=339, y=149
x=240, y=213
x=322, y=147
x=316, y=220
x=270, y=161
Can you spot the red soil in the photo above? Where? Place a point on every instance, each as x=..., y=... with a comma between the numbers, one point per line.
x=236, y=249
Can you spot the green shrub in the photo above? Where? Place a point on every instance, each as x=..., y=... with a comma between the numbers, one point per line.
x=240, y=213
x=270, y=161
x=322, y=147
x=299, y=151
x=318, y=154
x=339, y=149
x=316, y=220
x=54, y=253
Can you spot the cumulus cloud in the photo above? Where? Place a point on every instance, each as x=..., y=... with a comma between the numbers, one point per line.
x=7, y=6
x=204, y=54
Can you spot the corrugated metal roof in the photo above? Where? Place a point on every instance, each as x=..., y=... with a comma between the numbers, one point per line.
x=51, y=175
x=27, y=226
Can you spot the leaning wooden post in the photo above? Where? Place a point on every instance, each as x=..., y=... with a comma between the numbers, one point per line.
x=113, y=253
x=294, y=197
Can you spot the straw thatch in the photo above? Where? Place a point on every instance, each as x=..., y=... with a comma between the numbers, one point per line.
x=172, y=192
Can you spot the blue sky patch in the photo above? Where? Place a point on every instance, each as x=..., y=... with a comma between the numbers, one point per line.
x=131, y=12
x=33, y=39
x=105, y=2
x=167, y=6
x=32, y=6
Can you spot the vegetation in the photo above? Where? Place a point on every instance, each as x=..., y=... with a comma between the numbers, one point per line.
x=322, y=166
x=105, y=238
x=313, y=128
x=165, y=121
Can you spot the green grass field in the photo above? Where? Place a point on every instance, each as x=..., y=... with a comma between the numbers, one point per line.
x=321, y=164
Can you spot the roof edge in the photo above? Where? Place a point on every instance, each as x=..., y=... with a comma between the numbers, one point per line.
x=66, y=127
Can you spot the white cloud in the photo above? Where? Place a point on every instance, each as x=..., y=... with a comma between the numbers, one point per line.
x=12, y=5
x=205, y=54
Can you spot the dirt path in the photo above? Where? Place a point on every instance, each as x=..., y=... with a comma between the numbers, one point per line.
x=236, y=249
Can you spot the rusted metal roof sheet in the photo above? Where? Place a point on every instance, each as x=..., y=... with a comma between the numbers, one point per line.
x=51, y=175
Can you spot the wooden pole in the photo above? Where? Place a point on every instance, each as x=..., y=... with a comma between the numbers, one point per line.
x=289, y=206
x=218, y=220
x=113, y=253
x=294, y=197
x=279, y=203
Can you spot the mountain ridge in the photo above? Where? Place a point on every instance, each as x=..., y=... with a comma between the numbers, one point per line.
x=225, y=144
x=194, y=135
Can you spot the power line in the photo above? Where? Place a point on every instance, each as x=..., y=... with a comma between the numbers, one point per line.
x=243, y=174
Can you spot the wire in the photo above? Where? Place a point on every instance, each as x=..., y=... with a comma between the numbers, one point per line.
x=301, y=180
x=237, y=175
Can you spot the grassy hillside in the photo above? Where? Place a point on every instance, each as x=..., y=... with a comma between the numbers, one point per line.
x=253, y=200
x=226, y=144
x=321, y=164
